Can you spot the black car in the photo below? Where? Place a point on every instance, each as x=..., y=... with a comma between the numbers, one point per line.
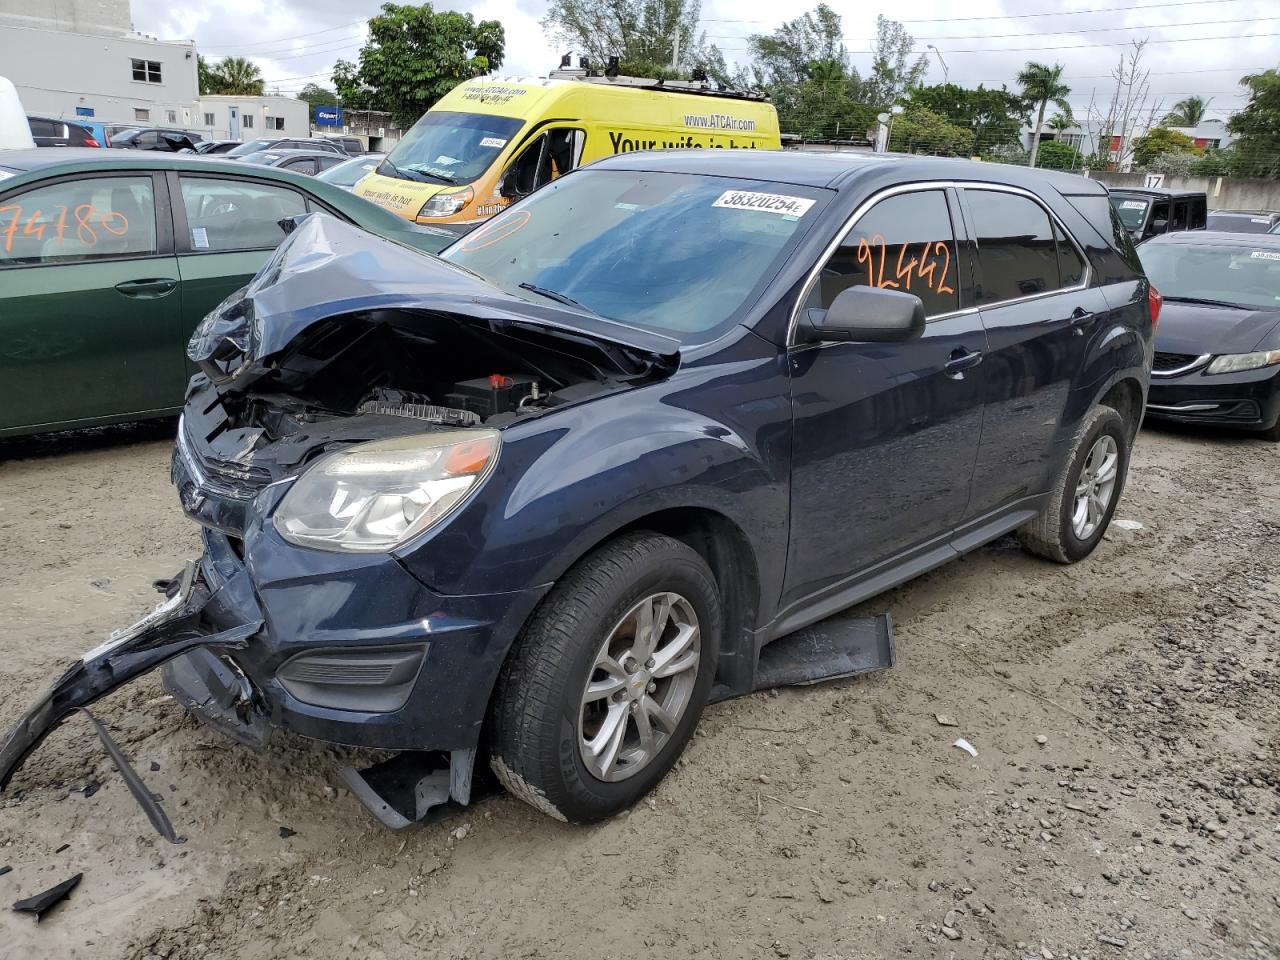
x=284, y=143
x=1149, y=213
x=157, y=138
x=216, y=146
x=1243, y=221
x=53, y=132
x=307, y=162
x=1218, y=344
x=532, y=503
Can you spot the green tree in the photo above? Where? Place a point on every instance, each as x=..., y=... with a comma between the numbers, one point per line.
x=788, y=56
x=650, y=38
x=1216, y=163
x=1257, y=127
x=414, y=56
x=995, y=117
x=1041, y=85
x=1157, y=141
x=1056, y=155
x=893, y=70
x=1061, y=121
x=919, y=130
x=235, y=76
x=206, y=75
x=318, y=96
x=1188, y=112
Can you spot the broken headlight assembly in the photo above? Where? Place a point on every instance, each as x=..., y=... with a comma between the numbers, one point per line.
x=374, y=496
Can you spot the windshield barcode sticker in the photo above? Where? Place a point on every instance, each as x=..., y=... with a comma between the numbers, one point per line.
x=493, y=142
x=1133, y=205
x=764, y=202
x=1264, y=255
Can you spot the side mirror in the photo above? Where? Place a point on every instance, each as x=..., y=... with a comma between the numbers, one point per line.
x=865, y=314
x=507, y=185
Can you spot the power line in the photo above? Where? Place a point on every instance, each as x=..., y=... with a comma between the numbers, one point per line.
x=1017, y=16
x=299, y=36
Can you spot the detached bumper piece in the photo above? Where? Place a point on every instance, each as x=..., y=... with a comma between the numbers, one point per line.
x=192, y=615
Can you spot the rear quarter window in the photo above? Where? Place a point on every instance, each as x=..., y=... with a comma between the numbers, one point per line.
x=1122, y=261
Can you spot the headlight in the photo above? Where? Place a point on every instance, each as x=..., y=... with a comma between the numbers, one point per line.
x=375, y=496
x=447, y=204
x=1235, y=362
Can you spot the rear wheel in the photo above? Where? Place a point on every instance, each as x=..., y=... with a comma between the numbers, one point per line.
x=1085, y=493
x=605, y=685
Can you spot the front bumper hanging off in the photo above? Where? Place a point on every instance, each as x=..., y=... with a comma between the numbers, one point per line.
x=192, y=615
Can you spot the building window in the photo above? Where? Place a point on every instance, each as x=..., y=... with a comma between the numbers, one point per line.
x=247, y=120
x=273, y=123
x=172, y=116
x=146, y=71
x=208, y=120
x=140, y=114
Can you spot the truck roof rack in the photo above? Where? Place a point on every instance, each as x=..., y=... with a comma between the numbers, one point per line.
x=703, y=88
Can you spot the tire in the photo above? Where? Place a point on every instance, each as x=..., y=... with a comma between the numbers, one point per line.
x=1054, y=533
x=551, y=747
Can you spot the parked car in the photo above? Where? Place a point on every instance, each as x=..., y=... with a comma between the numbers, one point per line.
x=350, y=172
x=306, y=162
x=216, y=146
x=109, y=259
x=1243, y=221
x=54, y=132
x=1148, y=213
x=113, y=130
x=1217, y=355
x=351, y=146
x=160, y=139
x=283, y=143
x=557, y=483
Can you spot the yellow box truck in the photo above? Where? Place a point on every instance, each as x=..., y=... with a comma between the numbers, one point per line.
x=492, y=140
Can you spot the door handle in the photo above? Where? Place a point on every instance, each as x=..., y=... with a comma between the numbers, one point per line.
x=1079, y=319
x=152, y=287
x=960, y=361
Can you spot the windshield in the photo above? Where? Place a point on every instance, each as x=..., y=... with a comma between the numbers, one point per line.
x=1132, y=212
x=447, y=147
x=1238, y=223
x=1230, y=273
x=677, y=254
x=250, y=146
x=265, y=157
x=349, y=172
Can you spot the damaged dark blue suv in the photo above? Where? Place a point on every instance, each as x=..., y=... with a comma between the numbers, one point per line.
x=530, y=505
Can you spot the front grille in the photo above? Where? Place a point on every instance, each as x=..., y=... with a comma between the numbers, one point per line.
x=217, y=476
x=1171, y=361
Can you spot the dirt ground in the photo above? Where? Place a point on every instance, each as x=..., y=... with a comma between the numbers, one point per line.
x=1124, y=802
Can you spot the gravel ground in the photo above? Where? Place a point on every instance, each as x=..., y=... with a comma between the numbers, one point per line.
x=1124, y=802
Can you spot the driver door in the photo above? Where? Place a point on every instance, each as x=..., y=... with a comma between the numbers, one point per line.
x=550, y=154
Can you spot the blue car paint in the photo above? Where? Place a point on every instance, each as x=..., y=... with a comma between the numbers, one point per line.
x=813, y=476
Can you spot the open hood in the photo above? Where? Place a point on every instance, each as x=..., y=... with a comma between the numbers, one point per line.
x=327, y=270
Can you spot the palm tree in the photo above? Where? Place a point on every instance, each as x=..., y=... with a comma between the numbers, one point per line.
x=1061, y=121
x=1042, y=84
x=237, y=76
x=1189, y=112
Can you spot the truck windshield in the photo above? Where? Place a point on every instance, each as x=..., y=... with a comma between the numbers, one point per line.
x=1131, y=212
x=448, y=147
x=677, y=254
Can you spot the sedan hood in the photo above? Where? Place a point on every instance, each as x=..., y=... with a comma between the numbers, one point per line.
x=1194, y=328
x=328, y=270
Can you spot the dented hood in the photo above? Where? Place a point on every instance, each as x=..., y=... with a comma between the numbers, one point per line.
x=327, y=268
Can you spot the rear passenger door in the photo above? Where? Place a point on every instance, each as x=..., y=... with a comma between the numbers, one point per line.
x=1032, y=290
x=224, y=228
x=885, y=435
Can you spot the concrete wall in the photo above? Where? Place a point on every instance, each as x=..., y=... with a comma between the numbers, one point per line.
x=56, y=71
x=105, y=17
x=1225, y=193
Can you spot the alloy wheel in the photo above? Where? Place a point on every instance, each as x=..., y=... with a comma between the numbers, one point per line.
x=1096, y=486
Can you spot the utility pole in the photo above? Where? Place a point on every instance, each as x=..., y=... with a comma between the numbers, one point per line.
x=945, y=72
x=675, y=48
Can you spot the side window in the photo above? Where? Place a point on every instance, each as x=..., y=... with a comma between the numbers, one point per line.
x=43, y=128
x=904, y=242
x=236, y=215
x=1159, y=212
x=326, y=162
x=1179, y=220
x=1017, y=252
x=1199, y=214
x=551, y=155
x=1070, y=263
x=78, y=220
x=305, y=165
x=147, y=139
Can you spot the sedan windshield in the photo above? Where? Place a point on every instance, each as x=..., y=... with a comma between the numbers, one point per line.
x=1238, y=223
x=1131, y=212
x=677, y=254
x=250, y=146
x=349, y=172
x=1232, y=273
x=447, y=147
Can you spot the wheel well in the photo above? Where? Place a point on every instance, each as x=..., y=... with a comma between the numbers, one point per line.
x=1125, y=397
x=728, y=553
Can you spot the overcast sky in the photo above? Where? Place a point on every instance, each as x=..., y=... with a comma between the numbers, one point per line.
x=1211, y=43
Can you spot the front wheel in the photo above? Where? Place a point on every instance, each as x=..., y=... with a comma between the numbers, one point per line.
x=605, y=685
x=1085, y=493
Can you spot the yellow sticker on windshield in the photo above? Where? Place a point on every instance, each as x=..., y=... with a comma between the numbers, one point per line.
x=764, y=203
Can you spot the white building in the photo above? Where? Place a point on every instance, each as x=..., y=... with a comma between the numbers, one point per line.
x=244, y=118
x=81, y=58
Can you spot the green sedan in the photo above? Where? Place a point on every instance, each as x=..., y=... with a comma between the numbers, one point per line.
x=109, y=259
